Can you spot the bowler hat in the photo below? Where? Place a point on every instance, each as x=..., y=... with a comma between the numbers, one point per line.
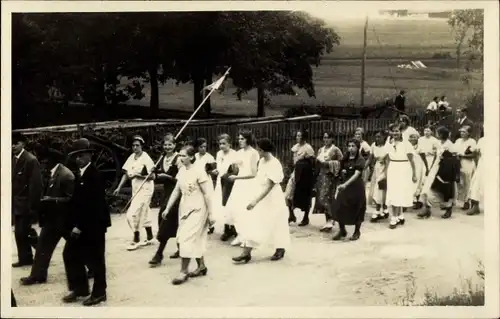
x=81, y=145
x=18, y=137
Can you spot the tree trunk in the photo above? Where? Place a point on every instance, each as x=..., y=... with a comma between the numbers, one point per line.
x=458, y=53
x=198, y=80
x=207, y=108
x=260, y=100
x=154, y=102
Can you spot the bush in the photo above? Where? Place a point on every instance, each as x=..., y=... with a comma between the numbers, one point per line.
x=468, y=295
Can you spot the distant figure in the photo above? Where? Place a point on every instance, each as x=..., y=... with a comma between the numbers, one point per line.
x=399, y=101
x=433, y=106
x=443, y=105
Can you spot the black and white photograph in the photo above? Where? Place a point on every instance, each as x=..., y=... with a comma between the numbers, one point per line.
x=250, y=159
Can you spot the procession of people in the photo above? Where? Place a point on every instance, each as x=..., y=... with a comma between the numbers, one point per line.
x=239, y=192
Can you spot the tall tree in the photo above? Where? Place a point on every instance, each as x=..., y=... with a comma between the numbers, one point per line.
x=467, y=24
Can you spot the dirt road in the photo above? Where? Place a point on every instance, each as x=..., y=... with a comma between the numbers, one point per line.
x=376, y=270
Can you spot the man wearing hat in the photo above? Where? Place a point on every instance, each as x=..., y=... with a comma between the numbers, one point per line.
x=26, y=193
x=89, y=219
x=53, y=214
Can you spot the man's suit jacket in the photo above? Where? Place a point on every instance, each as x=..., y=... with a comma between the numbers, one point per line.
x=456, y=127
x=399, y=102
x=26, y=184
x=60, y=187
x=89, y=208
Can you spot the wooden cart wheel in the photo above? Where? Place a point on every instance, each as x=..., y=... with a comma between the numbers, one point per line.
x=108, y=164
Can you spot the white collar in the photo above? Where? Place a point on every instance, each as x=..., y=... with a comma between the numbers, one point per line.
x=83, y=169
x=20, y=153
x=53, y=170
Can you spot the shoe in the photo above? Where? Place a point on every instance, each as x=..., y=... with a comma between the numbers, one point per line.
x=156, y=260
x=175, y=255
x=278, y=254
x=92, y=301
x=401, y=221
x=182, y=278
x=22, y=264
x=133, y=246
x=211, y=230
x=355, y=236
x=304, y=222
x=73, y=297
x=466, y=206
x=292, y=219
x=425, y=214
x=28, y=281
x=327, y=227
x=376, y=217
x=228, y=233
x=226, y=236
x=393, y=223
x=340, y=235
x=474, y=210
x=243, y=258
x=447, y=214
x=236, y=242
x=147, y=242
x=198, y=272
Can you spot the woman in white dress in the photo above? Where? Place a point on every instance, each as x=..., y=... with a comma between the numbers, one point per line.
x=266, y=211
x=225, y=159
x=378, y=182
x=137, y=168
x=428, y=196
x=427, y=144
x=419, y=169
x=476, y=192
x=401, y=176
x=465, y=148
x=202, y=156
x=246, y=159
x=406, y=128
x=195, y=216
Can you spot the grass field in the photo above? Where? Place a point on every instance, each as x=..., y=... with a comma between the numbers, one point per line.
x=338, y=79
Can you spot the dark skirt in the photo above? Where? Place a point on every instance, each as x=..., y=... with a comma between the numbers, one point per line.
x=350, y=205
x=304, y=184
x=326, y=185
x=167, y=228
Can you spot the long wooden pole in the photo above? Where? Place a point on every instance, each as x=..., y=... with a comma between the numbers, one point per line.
x=363, y=63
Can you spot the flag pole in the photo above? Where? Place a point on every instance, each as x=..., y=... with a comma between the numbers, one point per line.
x=175, y=138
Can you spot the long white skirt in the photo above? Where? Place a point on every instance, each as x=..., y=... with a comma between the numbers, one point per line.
x=139, y=211
x=238, y=200
x=267, y=223
x=467, y=168
x=400, y=187
x=420, y=174
x=220, y=213
x=192, y=234
x=377, y=195
x=476, y=191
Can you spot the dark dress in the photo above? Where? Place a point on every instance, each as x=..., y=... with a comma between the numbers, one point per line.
x=448, y=173
x=304, y=183
x=350, y=205
x=168, y=228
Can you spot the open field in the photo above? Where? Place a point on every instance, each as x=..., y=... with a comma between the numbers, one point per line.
x=338, y=78
x=378, y=269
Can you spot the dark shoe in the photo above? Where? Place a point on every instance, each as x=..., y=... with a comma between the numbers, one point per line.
x=447, y=214
x=227, y=234
x=466, y=206
x=92, y=301
x=28, y=281
x=278, y=254
x=355, y=236
x=292, y=219
x=22, y=264
x=156, y=260
x=474, y=210
x=340, y=235
x=182, y=278
x=211, y=230
x=73, y=297
x=401, y=221
x=243, y=258
x=304, y=222
x=198, y=272
x=175, y=255
x=425, y=214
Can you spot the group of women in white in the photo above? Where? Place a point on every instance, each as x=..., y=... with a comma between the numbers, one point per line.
x=240, y=191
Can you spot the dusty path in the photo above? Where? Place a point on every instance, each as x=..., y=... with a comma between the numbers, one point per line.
x=376, y=270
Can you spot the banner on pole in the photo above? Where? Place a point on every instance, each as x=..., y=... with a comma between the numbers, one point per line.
x=217, y=84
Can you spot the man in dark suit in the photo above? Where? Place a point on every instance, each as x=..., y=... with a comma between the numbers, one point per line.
x=89, y=219
x=53, y=214
x=26, y=193
x=399, y=101
x=462, y=120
